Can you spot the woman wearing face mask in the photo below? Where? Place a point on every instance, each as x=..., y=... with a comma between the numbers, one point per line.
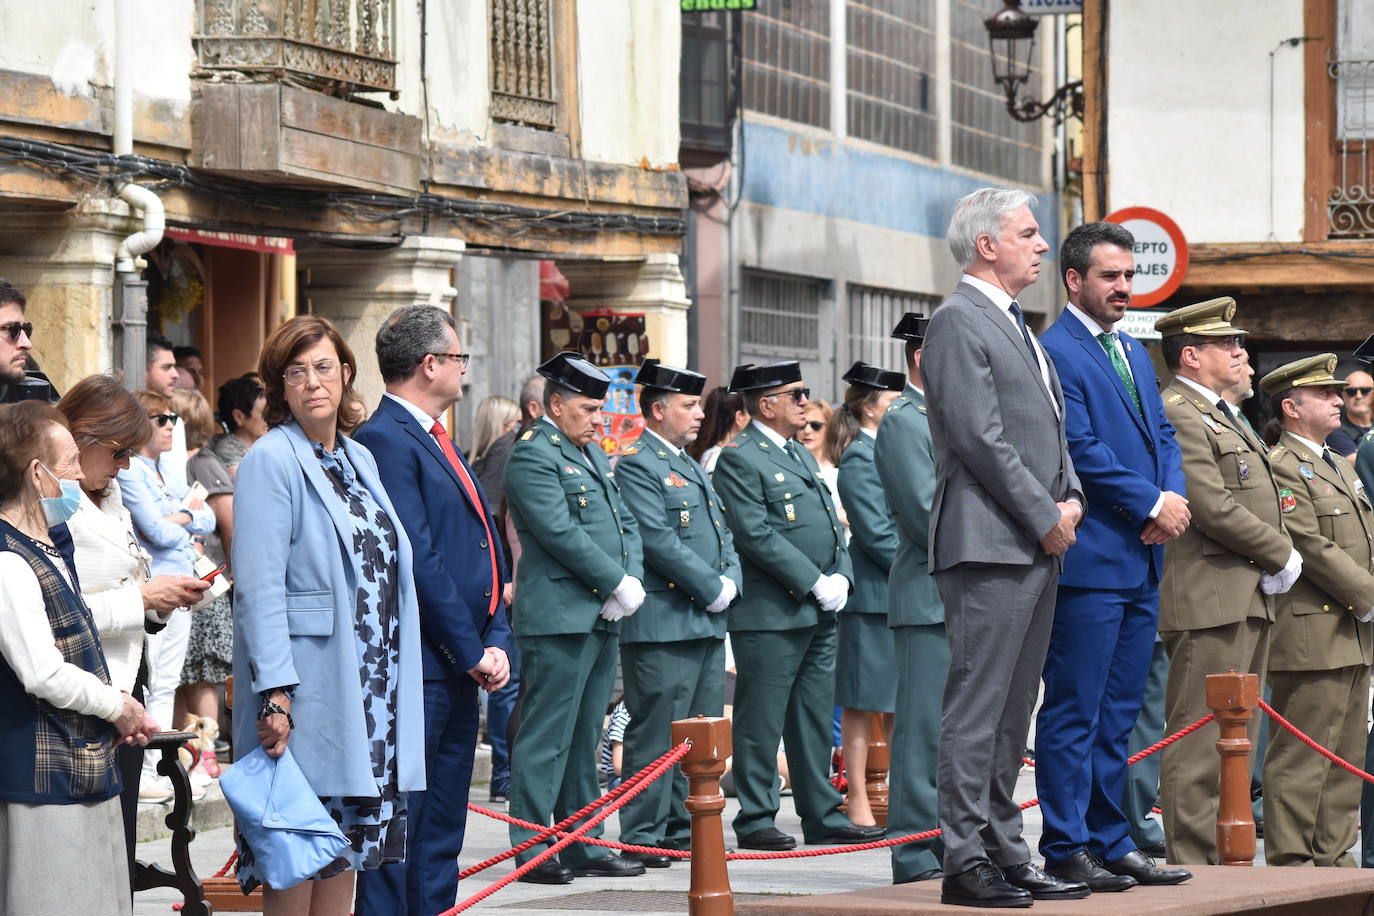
x=61, y=844
x=167, y=522
x=109, y=426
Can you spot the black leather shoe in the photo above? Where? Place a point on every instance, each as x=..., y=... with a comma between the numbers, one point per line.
x=611, y=866
x=551, y=872
x=982, y=885
x=1084, y=868
x=930, y=875
x=769, y=838
x=647, y=859
x=1144, y=870
x=1031, y=877
x=1153, y=850
x=851, y=833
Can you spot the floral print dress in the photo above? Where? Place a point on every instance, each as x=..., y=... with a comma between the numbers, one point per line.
x=375, y=826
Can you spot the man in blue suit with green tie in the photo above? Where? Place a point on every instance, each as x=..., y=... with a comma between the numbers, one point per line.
x=1107, y=609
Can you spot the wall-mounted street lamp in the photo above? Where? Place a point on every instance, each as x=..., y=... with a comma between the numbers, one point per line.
x=1011, y=35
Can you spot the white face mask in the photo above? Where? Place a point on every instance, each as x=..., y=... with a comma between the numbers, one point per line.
x=59, y=509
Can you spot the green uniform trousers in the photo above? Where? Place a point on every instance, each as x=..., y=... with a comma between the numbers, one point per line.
x=1190, y=770
x=664, y=682
x=1142, y=779
x=785, y=689
x=1310, y=804
x=568, y=682
x=922, y=664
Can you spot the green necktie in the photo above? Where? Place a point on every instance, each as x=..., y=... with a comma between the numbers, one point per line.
x=1119, y=364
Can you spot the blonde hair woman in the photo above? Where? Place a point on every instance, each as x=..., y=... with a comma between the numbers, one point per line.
x=496, y=416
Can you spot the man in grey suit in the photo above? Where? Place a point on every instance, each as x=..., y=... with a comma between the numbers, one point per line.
x=1006, y=506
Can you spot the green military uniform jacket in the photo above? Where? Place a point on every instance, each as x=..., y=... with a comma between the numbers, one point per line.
x=873, y=536
x=687, y=544
x=578, y=539
x=905, y=461
x=1330, y=519
x=1212, y=571
x=785, y=528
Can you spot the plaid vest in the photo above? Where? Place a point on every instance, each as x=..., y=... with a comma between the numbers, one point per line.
x=51, y=755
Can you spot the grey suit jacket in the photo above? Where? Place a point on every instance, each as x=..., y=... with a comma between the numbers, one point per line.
x=1001, y=460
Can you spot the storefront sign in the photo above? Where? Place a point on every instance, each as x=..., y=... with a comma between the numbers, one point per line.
x=1140, y=323
x=715, y=6
x=1050, y=7
x=241, y=240
x=1161, y=254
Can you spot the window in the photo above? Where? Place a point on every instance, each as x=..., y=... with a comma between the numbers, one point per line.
x=522, y=83
x=787, y=60
x=986, y=139
x=1350, y=204
x=873, y=313
x=891, y=58
x=704, y=86
x=780, y=316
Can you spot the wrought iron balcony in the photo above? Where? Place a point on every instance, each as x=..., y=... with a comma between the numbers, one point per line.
x=326, y=44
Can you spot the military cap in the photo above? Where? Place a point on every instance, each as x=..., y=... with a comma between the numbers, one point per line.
x=1206, y=319
x=866, y=376
x=653, y=374
x=1365, y=351
x=911, y=327
x=755, y=378
x=1310, y=372
x=569, y=370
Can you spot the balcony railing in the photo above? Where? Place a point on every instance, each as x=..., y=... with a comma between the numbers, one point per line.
x=325, y=43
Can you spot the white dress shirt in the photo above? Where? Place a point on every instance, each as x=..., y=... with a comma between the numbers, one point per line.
x=423, y=418
x=1003, y=300
x=772, y=435
x=664, y=442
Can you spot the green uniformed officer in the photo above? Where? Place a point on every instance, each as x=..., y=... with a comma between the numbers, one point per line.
x=865, y=668
x=579, y=574
x=1216, y=601
x=672, y=652
x=905, y=460
x=1320, y=654
x=797, y=574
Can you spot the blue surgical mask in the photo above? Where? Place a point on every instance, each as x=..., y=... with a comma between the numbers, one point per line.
x=58, y=509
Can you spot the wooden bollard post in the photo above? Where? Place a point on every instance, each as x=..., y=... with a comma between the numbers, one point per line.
x=875, y=769
x=704, y=765
x=1233, y=698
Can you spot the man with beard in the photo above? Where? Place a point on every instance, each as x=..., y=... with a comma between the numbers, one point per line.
x=1107, y=609
x=15, y=335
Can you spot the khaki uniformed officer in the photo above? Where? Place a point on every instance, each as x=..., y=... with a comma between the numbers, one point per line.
x=1219, y=575
x=797, y=574
x=672, y=652
x=578, y=576
x=1320, y=653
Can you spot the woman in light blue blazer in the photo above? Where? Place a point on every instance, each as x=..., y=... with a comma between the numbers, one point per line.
x=326, y=626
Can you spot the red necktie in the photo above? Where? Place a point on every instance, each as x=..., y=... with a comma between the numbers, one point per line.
x=446, y=444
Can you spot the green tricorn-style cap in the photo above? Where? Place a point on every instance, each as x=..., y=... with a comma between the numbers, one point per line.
x=653, y=374
x=1206, y=319
x=866, y=376
x=569, y=370
x=755, y=378
x=1310, y=372
x=911, y=327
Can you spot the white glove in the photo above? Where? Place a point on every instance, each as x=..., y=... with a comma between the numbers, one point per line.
x=1283, y=580
x=831, y=592
x=630, y=593
x=611, y=609
x=728, y=591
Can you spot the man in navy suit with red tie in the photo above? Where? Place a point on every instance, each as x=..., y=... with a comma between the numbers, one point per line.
x=459, y=574
x=1107, y=609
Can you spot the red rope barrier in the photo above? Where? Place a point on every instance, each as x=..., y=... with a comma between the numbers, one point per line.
x=233, y=857
x=1297, y=733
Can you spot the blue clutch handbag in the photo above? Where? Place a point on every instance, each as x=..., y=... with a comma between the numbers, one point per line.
x=280, y=817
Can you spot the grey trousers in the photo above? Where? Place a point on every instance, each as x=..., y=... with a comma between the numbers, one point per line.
x=999, y=619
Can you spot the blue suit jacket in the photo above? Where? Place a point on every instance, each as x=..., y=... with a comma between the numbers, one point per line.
x=1124, y=460
x=295, y=607
x=452, y=557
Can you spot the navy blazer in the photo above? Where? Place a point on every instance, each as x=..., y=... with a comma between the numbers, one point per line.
x=1123, y=459
x=452, y=556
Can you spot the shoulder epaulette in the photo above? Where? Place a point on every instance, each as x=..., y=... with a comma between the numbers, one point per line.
x=1278, y=452
x=921, y=408
x=527, y=435
x=1173, y=398
x=630, y=450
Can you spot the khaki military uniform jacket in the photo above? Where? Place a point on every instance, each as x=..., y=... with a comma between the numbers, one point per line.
x=1212, y=571
x=1330, y=519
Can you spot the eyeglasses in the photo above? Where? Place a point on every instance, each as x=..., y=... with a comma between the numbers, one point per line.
x=15, y=328
x=161, y=419
x=460, y=358
x=325, y=370
x=117, y=454
x=1353, y=390
x=796, y=394
x=1227, y=343
x=816, y=425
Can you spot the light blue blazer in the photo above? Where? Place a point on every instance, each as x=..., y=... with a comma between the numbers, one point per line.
x=294, y=612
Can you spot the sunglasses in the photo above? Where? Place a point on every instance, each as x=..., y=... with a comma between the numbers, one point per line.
x=15, y=328
x=1352, y=391
x=117, y=454
x=816, y=425
x=796, y=394
x=162, y=419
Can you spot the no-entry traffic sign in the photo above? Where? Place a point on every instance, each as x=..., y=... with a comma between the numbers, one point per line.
x=1161, y=254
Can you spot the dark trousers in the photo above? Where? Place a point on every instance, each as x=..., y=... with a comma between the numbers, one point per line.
x=1142, y=779
x=922, y=664
x=427, y=881
x=500, y=706
x=1095, y=672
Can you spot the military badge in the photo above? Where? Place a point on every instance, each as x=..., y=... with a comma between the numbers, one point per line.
x=582, y=502
x=780, y=477
x=1244, y=469
x=555, y=438
x=1287, y=501
x=684, y=518
x=1212, y=424
x=674, y=480
x=1305, y=471
x=1326, y=488
x=572, y=470
x=791, y=511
